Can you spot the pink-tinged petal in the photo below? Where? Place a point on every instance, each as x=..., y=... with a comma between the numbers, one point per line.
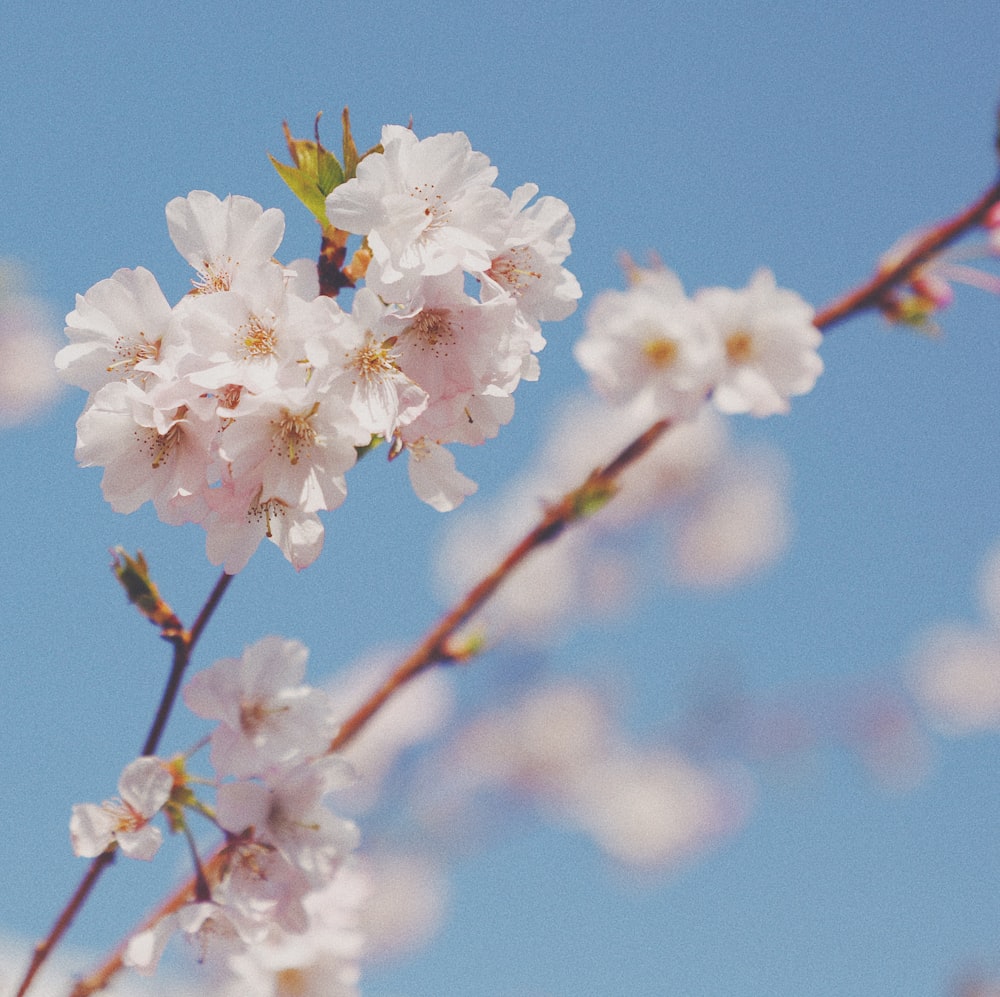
x=143, y=843
x=91, y=830
x=145, y=785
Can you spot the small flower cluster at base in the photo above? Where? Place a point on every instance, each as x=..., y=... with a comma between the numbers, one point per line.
x=243, y=407
x=748, y=350
x=283, y=843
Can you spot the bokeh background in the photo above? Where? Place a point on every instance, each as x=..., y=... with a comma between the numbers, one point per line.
x=810, y=761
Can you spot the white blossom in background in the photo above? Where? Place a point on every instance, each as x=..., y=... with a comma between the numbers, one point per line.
x=736, y=528
x=321, y=961
x=560, y=747
x=748, y=350
x=989, y=587
x=406, y=903
x=769, y=343
x=144, y=788
x=413, y=716
x=955, y=674
x=955, y=670
x=651, y=342
x=28, y=383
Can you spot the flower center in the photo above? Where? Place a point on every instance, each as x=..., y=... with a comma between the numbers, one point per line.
x=266, y=509
x=434, y=329
x=256, y=339
x=374, y=361
x=514, y=270
x=661, y=352
x=133, y=352
x=435, y=206
x=739, y=347
x=295, y=432
x=212, y=277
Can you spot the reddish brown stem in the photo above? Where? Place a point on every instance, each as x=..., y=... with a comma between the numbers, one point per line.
x=184, y=644
x=873, y=293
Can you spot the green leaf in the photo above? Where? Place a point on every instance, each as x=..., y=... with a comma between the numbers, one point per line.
x=304, y=187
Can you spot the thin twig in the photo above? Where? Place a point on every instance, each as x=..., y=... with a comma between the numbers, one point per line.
x=183, y=644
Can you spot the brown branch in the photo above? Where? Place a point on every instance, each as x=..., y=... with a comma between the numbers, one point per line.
x=599, y=487
x=873, y=293
x=183, y=643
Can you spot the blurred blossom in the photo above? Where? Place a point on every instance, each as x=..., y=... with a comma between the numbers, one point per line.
x=414, y=714
x=323, y=961
x=885, y=732
x=989, y=587
x=956, y=677
x=28, y=381
x=405, y=906
x=64, y=969
x=955, y=672
x=560, y=747
x=653, y=809
x=737, y=528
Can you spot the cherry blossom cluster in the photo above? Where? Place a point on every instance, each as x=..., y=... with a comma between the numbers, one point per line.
x=243, y=406
x=747, y=350
x=283, y=864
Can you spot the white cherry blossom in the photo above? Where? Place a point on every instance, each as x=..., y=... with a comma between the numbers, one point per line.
x=427, y=207
x=769, y=342
x=144, y=787
x=651, y=341
x=115, y=331
x=288, y=813
x=227, y=240
x=267, y=715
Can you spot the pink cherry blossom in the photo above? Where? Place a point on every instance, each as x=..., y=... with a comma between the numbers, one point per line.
x=144, y=787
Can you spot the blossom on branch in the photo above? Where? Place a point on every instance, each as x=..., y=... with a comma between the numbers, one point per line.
x=144, y=788
x=243, y=406
x=747, y=350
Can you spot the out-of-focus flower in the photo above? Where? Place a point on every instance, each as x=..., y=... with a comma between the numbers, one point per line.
x=405, y=904
x=738, y=527
x=955, y=670
x=323, y=960
x=651, y=341
x=749, y=350
x=560, y=747
x=769, y=343
x=956, y=677
x=28, y=382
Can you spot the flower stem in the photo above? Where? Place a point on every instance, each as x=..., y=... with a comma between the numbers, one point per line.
x=184, y=643
x=872, y=294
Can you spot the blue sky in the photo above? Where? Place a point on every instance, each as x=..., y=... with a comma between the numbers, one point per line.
x=724, y=136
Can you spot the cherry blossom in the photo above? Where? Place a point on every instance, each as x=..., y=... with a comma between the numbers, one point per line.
x=227, y=241
x=115, y=331
x=652, y=342
x=144, y=787
x=769, y=342
x=267, y=716
x=427, y=207
x=287, y=812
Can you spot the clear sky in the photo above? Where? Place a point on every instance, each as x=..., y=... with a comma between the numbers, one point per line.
x=724, y=136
